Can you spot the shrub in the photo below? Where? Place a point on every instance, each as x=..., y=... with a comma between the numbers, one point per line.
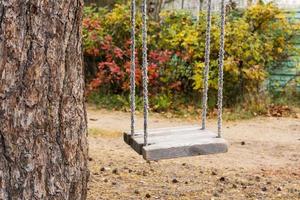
x=256, y=38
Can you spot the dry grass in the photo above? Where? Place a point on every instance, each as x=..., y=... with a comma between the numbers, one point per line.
x=96, y=132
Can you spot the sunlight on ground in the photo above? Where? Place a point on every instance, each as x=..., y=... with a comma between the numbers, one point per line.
x=95, y=132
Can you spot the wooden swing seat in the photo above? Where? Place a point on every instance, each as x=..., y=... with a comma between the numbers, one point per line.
x=175, y=142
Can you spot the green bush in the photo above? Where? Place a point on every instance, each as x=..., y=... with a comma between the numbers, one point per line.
x=256, y=38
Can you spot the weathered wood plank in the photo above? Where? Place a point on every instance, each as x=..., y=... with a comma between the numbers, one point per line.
x=173, y=142
x=157, y=131
x=169, y=129
x=137, y=143
x=126, y=137
x=184, y=148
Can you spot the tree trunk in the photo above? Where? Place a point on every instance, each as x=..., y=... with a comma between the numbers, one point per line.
x=154, y=9
x=201, y=5
x=43, y=128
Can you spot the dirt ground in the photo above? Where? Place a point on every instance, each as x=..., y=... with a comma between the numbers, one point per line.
x=263, y=162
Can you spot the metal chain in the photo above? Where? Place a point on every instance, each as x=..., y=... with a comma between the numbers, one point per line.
x=221, y=66
x=206, y=70
x=132, y=68
x=207, y=62
x=145, y=72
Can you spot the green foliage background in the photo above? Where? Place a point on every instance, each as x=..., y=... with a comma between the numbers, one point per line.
x=256, y=38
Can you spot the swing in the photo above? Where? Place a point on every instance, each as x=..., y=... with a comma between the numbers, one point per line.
x=175, y=142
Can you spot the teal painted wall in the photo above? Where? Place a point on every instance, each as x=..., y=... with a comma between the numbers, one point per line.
x=290, y=69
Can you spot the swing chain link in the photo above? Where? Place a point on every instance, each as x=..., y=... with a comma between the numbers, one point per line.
x=132, y=69
x=206, y=69
x=145, y=71
x=221, y=68
x=207, y=62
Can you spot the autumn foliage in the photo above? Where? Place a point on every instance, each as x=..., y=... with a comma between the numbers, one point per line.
x=256, y=39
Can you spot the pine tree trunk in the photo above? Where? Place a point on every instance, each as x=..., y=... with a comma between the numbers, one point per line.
x=43, y=128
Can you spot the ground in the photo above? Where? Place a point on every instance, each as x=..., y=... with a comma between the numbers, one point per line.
x=263, y=162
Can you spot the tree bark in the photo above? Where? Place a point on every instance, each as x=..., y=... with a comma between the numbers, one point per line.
x=43, y=128
x=154, y=9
